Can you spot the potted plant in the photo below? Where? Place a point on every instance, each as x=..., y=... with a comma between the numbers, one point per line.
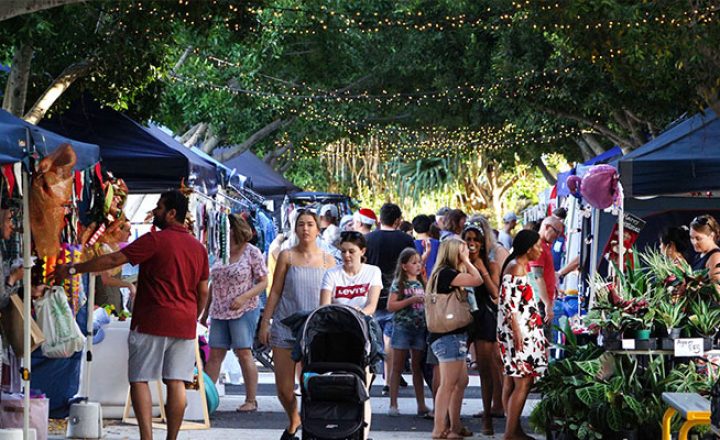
x=671, y=316
x=705, y=321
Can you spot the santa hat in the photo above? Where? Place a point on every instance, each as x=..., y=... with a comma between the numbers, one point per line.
x=365, y=216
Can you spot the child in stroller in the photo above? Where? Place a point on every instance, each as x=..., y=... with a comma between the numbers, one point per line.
x=337, y=356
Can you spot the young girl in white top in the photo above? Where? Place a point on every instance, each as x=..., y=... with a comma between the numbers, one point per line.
x=355, y=283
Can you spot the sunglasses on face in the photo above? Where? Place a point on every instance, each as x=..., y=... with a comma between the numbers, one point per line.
x=557, y=231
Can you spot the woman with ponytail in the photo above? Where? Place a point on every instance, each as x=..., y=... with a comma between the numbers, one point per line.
x=523, y=346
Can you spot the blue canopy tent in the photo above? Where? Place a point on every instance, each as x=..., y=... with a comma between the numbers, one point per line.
x=17, y=138
x=148, y=161
x=262, y=179
x=674, y=177
x=12, y=134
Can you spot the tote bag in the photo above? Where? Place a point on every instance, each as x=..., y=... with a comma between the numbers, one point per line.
x=447, y=312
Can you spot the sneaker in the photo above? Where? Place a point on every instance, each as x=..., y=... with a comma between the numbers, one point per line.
x=393, y=412
x=385, y=390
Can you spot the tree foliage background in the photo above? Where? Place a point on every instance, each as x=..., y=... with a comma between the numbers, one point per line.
x=468, y=103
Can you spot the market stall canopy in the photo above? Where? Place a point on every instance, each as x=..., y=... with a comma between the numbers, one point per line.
x=263, y=178
x=225, y=175
x=13, y=132
x=683, y=159
x=132, y=152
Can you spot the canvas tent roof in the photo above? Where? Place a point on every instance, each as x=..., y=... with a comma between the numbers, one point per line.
x=146, y=161
x=683, y=159
x=263, y=178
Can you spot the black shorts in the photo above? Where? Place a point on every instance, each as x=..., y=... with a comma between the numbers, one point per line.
x=484, y=325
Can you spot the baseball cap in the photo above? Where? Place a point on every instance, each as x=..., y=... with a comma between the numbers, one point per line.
x=346, y=222
x=365, y=216
x=509, y=216
x=329, y=210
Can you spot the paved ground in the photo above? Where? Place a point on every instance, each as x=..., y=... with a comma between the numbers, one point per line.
x=270, y=420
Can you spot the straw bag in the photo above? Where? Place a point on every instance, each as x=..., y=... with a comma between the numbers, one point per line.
x=447, y=312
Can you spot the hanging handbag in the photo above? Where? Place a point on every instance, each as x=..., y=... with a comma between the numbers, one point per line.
x=445, y=313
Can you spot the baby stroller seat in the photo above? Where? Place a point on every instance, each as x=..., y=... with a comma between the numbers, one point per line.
x=336, y=352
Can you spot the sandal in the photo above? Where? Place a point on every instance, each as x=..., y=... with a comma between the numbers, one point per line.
x=287, y=436
x=481, y=415
x=464, y=432
x=249, y=406
x=427, y=414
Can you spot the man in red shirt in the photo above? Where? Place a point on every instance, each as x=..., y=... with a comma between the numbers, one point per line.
x=543, y=269
x=171, y=294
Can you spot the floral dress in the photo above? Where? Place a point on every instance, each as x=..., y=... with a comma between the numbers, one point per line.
x=517, y=298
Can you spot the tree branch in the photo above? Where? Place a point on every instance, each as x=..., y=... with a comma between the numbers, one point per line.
x=584, y=148
x=13, y=8
x=593, y=143
x=551, y=180
x=601, y=129
x=183, y=57
x=17, y=83
x=238, y=149
x=199, y=131
x=57, y=88
x=188, y=134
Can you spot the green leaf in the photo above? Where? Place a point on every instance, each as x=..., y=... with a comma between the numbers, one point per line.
x=592, y=395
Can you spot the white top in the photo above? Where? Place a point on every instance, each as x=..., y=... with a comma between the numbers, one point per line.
x=505, y=239
x=351, y=290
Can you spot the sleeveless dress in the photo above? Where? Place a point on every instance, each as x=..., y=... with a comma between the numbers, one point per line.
x=516, y=297
x=301, y=292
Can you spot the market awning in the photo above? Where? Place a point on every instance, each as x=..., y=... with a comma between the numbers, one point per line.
x=264, y=179
x=13, y=138
x=683, y=159
x=132, y=152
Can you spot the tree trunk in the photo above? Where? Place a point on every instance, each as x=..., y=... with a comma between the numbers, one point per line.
x=238, y=149
x=193, y=139
x=551, y=180
x=587, y=153
x=593, y=143
x=17, y=83
x=57, y=88
x=13, y=8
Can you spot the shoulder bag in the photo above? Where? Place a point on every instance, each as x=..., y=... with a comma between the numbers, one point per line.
x=445, y=313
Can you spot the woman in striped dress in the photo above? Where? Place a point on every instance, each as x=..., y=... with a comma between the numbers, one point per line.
x=296, y=287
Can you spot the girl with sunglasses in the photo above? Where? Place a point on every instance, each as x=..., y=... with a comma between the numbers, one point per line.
x=354, y=283
x=482, y=333
x=704, y=236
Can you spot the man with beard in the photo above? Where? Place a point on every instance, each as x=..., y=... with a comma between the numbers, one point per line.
x=171, y=294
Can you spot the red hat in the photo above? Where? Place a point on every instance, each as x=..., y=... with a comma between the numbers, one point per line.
x=366, y=216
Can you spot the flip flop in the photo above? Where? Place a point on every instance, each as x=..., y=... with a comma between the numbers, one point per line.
x=481, y=415
x=426, y=414
x=464, y=432
x=253, y=407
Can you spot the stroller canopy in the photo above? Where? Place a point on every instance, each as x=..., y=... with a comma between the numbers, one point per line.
x=336, y=331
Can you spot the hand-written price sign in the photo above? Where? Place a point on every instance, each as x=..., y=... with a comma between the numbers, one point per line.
x=689, y=347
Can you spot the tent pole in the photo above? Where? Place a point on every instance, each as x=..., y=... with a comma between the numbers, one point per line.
x=621, y=234
x=595, y=222
x=90, y=315
x=27, y=298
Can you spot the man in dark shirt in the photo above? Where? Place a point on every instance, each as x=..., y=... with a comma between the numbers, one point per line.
x=383, y=249
x=171, y=294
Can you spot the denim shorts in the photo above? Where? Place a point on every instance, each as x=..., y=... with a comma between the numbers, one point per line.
x=450, y=348
x=236, y=333
x=404, y=338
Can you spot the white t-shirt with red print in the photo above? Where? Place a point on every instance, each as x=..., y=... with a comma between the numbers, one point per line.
x=351, y=290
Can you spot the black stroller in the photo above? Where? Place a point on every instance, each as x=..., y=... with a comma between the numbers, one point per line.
x=337, y=353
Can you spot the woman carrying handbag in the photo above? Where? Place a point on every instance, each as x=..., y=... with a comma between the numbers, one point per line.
x=448, y=314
